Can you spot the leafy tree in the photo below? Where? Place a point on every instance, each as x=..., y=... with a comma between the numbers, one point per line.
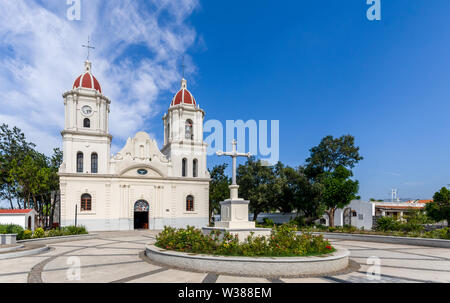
x=29, y=176
x=439, y=209
x=13, y=149
x=339, y=190
x=332, y=153
x=218, y=188
x=299, y=193
x=257, y=183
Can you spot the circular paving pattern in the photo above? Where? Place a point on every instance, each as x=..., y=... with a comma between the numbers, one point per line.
x=117, y=257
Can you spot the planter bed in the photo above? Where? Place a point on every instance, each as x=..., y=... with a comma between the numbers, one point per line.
x=252, y=266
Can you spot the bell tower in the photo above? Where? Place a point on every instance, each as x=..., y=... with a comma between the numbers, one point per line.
x=183, y=135
x=86, y=138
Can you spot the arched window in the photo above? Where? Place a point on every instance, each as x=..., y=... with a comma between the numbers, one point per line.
x=189, y=203
x=80, y=162
x=86, y=202
x=87, y=123
x=94, y=163
x=195, y=168
x=184, y=168
x=189, y=130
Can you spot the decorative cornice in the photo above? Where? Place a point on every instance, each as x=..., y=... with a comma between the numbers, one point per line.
x=86, y=93
x=83, y=133
x=116, y=176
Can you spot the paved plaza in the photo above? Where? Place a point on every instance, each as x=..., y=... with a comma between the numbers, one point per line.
x=117, y=257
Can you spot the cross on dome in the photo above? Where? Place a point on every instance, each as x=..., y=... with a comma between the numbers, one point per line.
x=89, y=47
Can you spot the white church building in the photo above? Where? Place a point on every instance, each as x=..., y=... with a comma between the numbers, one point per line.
x=140, y=187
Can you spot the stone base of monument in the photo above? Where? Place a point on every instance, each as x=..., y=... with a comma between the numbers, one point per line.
x=234, y=220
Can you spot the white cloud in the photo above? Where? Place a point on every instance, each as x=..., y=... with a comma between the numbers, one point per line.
x=41, y=56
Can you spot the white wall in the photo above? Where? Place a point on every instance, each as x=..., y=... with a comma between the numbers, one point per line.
x=365, y=211
x=13, y=219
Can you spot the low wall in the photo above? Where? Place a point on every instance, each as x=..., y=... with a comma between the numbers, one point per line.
x=59, y=239
x=248, y=266
x=389, y=239
x=22, y=252
x=8, y=239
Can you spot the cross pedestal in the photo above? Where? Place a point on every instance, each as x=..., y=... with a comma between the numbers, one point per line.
x=234, y=211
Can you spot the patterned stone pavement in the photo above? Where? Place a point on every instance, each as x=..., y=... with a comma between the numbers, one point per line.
x=116, y=257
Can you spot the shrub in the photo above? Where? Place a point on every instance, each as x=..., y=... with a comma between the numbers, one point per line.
x=349, y=229
x=443, y=233
x=387, y=224
x=27, y=234
x=283, y=241
x=268, y=223
x=299, y=221
x=39, y=233
x=54, y=233
x=73, y=230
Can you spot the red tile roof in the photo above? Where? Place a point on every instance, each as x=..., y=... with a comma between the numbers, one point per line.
x=15, y=211
x=87, y=80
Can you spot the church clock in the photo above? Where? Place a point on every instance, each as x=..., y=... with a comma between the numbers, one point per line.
x=86, y=110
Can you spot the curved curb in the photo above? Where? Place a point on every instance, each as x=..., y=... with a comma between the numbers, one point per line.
x=12, y=248
x=24, y=253
x=60, y=239
x=264, y=267
x=441, y=243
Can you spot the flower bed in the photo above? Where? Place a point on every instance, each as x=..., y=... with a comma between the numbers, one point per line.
x=283, y=242
x=40, y=233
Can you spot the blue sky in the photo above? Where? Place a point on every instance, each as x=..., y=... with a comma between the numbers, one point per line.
x=319, y=67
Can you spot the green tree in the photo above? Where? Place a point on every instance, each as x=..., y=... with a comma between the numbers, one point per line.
x=339, y=190
x=257, y=183
x=38, y=182
x=332, y=153
x=299, y=193
x=218, y=189
x=439, y=209
x=13, y=149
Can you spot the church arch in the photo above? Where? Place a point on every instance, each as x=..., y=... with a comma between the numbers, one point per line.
x=141, y=214
x=138, y=166
x=347, y=217
x=86, y=123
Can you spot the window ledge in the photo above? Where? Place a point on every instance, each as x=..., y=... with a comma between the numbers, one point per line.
x=190, y=213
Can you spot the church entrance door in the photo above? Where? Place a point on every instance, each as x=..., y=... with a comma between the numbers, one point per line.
x=141, y=214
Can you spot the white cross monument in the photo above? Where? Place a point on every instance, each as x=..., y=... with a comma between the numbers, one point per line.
x=234, y=211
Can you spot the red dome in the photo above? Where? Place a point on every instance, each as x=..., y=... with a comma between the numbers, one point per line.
x=183, y=96
x=87, y=80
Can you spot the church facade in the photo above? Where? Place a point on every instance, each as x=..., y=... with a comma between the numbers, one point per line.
x=142, y=186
